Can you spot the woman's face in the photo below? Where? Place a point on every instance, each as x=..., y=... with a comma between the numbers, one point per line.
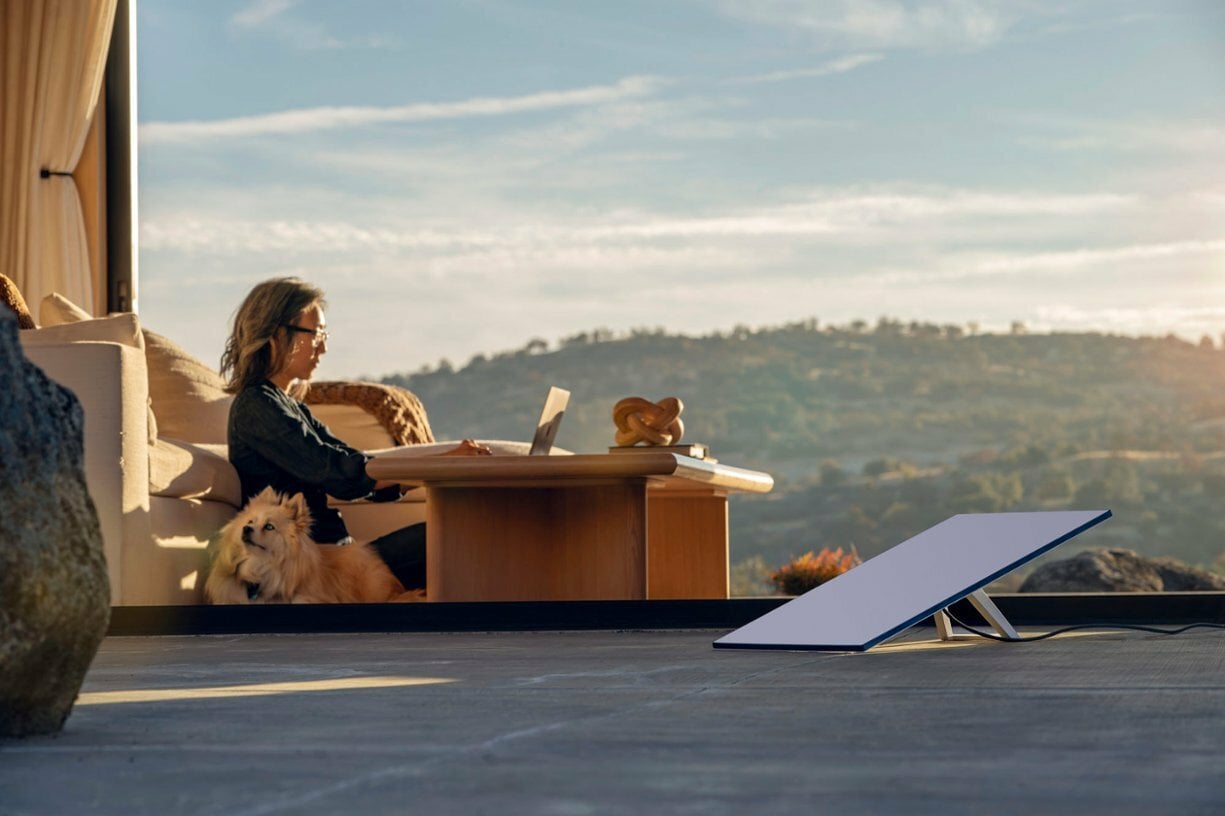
x=308, y=343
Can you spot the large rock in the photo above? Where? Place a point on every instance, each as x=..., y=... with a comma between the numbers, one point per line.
x=1179, y=577
x=54, y=594
x=1118, y=570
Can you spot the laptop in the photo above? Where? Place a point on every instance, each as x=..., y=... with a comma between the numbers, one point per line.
x=554, y=409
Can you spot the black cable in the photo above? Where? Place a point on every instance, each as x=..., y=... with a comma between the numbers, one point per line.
x=1044, y=636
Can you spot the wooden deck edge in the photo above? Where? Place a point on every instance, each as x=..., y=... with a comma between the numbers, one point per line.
x=1020, y=609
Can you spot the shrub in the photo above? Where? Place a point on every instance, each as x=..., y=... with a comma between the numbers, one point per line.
x=750, y=578
x=809, y=570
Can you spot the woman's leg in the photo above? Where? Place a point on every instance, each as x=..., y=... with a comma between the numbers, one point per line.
x=404, y=552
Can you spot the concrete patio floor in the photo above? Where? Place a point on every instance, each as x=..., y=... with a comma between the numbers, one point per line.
x=632, y=722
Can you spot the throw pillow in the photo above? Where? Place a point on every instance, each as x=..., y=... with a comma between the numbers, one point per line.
x=189, y=398
x=56, y=310
x=11, y=297
x=180, y=470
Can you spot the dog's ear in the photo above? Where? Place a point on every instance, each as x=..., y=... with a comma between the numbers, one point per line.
x=269, y=495
x=296, y=507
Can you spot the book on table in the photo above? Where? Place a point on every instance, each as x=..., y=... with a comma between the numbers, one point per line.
x=694, y=450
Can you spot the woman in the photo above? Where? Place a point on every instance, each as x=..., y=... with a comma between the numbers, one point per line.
x=279, y=335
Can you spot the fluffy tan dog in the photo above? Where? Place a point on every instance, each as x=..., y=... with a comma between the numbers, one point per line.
x=266, y=555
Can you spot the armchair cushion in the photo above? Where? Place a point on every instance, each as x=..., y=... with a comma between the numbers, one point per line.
x=181, y=470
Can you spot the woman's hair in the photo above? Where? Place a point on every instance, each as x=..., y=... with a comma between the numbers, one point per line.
x=250, y=354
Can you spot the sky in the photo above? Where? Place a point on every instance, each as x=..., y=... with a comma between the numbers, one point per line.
x=461, y=177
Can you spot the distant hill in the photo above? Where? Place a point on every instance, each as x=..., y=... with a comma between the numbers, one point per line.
x=875, y=432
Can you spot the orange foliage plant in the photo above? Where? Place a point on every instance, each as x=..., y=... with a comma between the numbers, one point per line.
x=809, y=570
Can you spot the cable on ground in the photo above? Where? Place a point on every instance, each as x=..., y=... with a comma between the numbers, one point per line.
x=1064, y=630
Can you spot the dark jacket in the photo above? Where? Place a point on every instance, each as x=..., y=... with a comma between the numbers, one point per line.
x=276, y=442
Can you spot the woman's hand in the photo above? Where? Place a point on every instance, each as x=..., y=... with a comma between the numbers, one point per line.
x=468, y=447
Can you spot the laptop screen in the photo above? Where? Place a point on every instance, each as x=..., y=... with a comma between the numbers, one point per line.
x=550, y=420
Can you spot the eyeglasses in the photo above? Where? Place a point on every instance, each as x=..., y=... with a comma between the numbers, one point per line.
x=318, y=336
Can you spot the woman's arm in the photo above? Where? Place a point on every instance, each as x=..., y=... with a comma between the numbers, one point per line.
x=468, y=447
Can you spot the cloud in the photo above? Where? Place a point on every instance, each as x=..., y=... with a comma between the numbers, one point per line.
x=838, y=66
x=1188, y=321
x=1104, y=20
x=926, y=24
x=329, y=118
x=824, y=214
x=260, y=13
x=1082, y=258
x=1023, y=265
x=1127, y=136
x=271, y=18
x=589, y=125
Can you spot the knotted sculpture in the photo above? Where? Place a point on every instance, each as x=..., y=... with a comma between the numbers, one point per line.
x=639, y=420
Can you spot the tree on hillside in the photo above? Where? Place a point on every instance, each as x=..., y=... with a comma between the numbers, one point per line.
x=832, y=474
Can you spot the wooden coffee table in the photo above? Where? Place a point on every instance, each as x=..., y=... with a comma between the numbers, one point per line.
x=624, y=526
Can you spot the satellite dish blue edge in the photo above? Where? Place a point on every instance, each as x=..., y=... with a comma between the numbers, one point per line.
x=812, y=647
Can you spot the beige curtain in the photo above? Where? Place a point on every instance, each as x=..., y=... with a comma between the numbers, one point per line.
x=52, y=57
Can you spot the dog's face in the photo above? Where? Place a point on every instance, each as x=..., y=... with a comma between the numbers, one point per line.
x=258, y=550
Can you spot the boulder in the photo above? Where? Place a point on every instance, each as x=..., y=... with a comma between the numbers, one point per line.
x=1119, y=570
x=1179, y=577
x=54, y=593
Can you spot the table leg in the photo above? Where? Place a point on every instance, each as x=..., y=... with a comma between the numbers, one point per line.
x=687, y=550
x=545, y=543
